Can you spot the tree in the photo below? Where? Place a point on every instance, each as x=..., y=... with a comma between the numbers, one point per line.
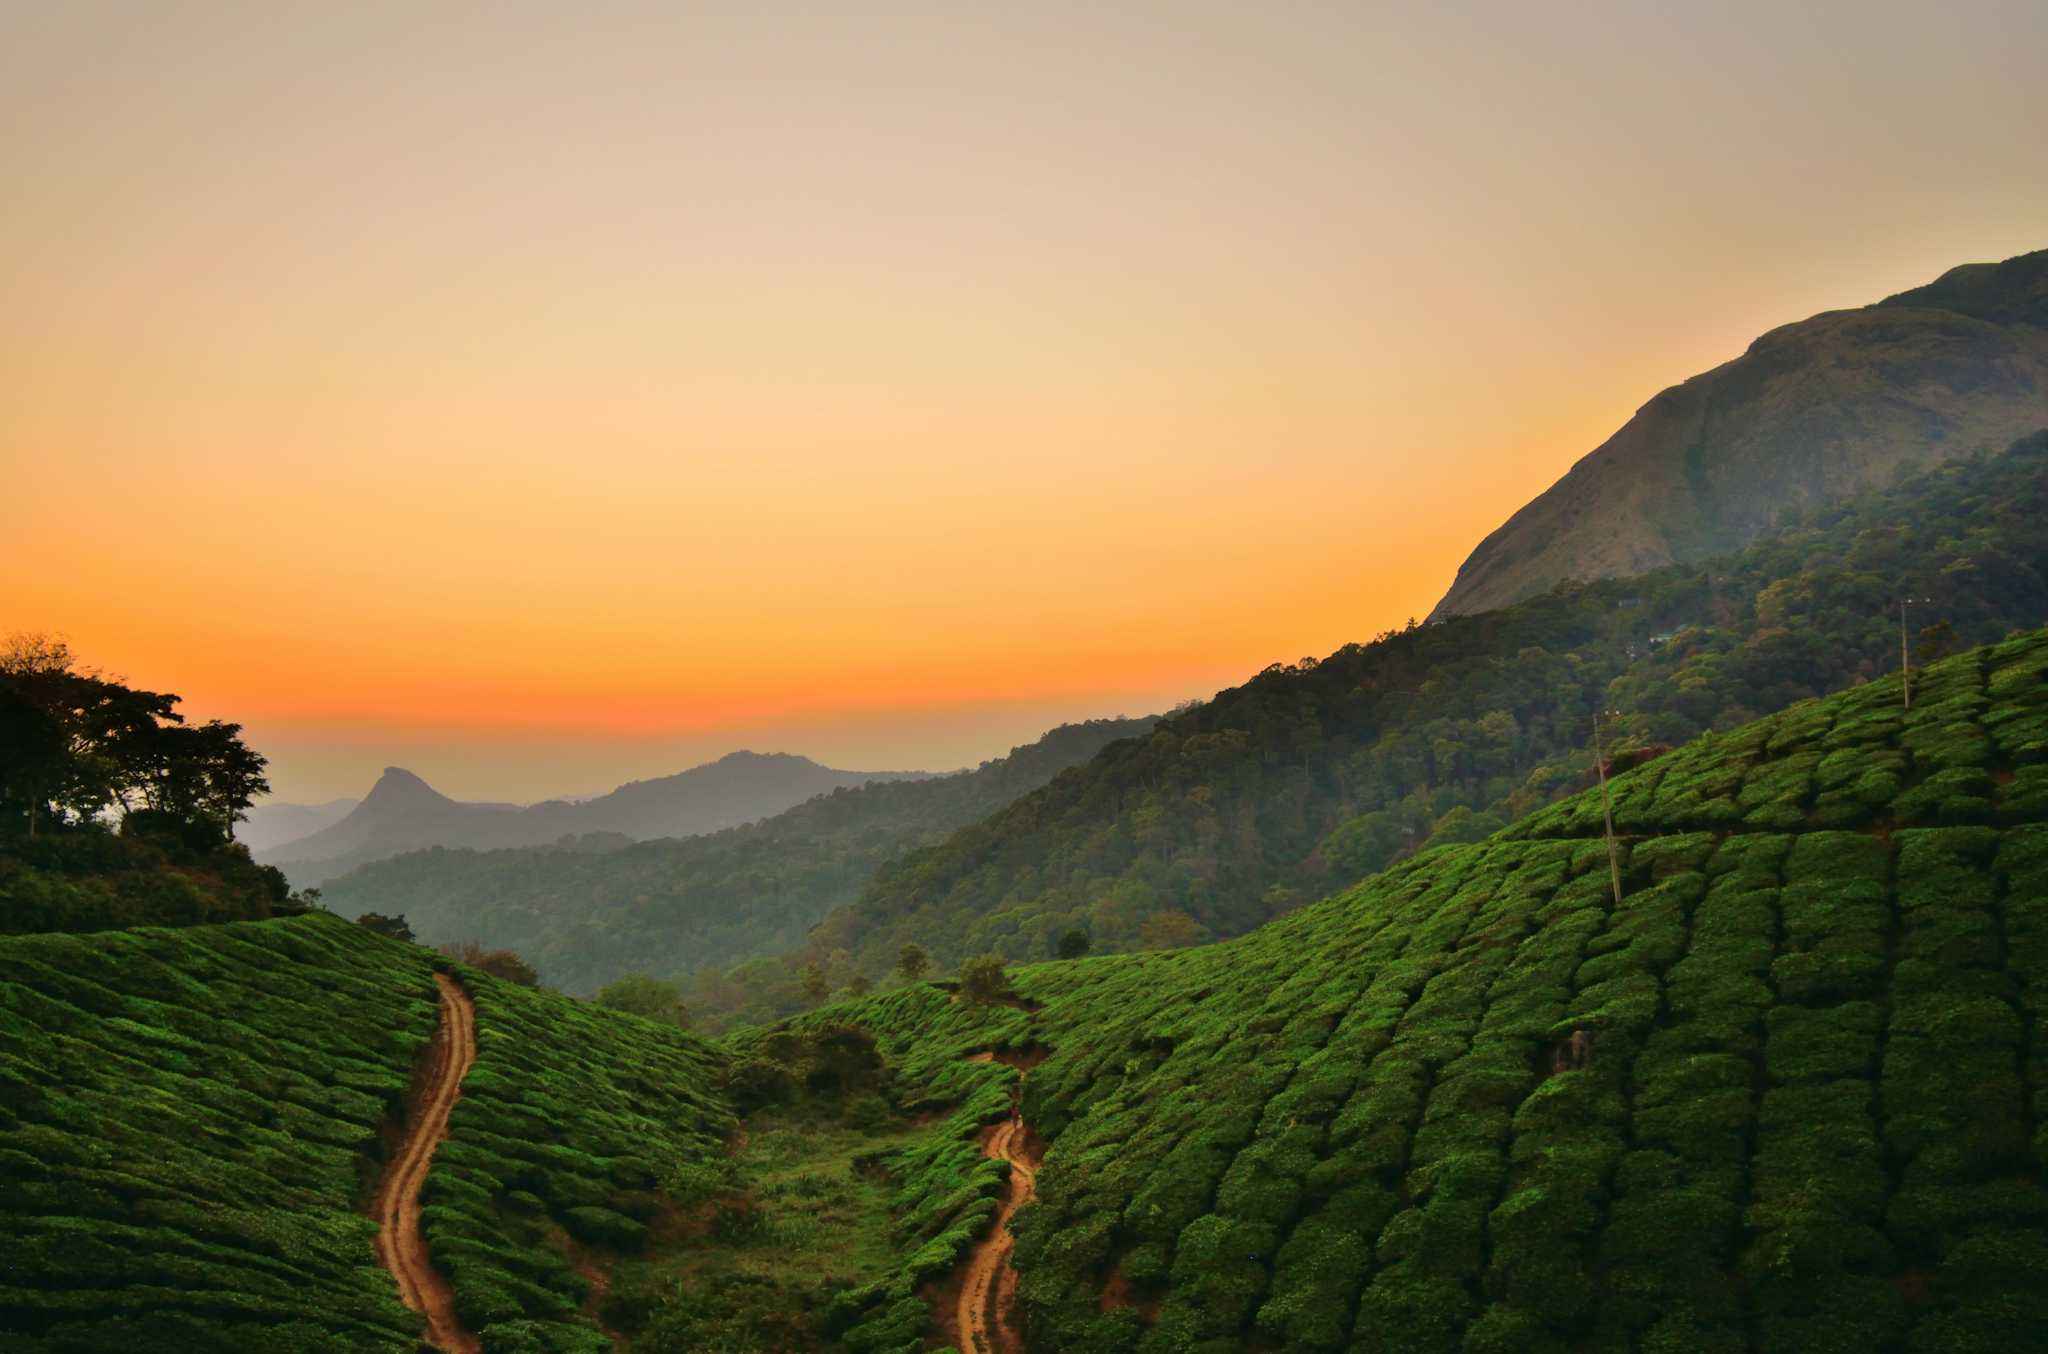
x=814, y=985
x=1936, y=642
x=1168, y=930
x=984, y=980
x=912, y=962
x=203, y=775
x=1073, y=944
x=859, y=985
x=391, y=928
x=32, y=748
x=647, y=997
x=78, y=744
x=505, y=964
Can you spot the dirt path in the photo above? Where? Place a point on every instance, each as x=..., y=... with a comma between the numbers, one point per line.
x=400, y=1247
x=984, y=1319
x=986, y=1315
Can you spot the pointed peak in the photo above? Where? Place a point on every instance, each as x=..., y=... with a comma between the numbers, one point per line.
x=400, y=785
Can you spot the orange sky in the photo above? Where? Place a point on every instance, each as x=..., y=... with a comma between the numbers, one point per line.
x=543, y=395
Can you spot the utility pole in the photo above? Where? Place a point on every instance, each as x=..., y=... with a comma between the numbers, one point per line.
x=1905, y=659
x=1607, y=808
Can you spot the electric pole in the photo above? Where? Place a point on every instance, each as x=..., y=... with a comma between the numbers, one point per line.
x=1905, y=658
x=1607, y=808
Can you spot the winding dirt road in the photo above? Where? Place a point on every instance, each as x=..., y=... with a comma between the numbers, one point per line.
x=986, y=1315
x=400, y=1247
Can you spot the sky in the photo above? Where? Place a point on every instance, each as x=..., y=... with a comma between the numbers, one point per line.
x=541, y=396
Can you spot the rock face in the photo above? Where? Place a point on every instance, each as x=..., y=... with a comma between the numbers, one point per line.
x=1812, y=413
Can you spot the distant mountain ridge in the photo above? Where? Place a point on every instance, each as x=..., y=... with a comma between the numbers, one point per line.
x=272, y=824
x=404, y=813
x=586, y=914
x=1811, y=414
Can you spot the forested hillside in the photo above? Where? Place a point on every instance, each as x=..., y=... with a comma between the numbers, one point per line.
x=1313, y=775
x=585, y=913
x=1783, y=1096
x=190, y=1121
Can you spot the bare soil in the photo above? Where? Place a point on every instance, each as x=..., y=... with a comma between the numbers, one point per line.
x=984, y=1315
x=400, y=1246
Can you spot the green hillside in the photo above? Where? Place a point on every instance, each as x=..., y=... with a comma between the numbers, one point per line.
x=1313, y=775
x=190, y=1122
x=585, y=916
x=1785, y=1097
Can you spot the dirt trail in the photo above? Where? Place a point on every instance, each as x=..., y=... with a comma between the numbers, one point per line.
x=984, y=1320
x=986, y=1315
x=400, y=1247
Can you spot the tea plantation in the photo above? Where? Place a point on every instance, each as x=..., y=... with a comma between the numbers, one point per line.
x=1787, y=1096
x=190, y=1121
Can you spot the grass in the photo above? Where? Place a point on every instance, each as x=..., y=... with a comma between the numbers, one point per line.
x=799, y=1216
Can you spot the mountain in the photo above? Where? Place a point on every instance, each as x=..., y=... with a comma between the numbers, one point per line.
x=1311, y=776
x=1813, y=412
x=1758, y=1075
x=586, y=912
x=273, y=824
x=404, y=813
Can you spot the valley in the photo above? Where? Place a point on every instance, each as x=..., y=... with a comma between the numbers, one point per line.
x=1783, y=1095
x=1469, y=584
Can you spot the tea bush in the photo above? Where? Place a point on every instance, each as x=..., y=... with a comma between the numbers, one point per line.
x=1785, y=1096
x=191, y=1121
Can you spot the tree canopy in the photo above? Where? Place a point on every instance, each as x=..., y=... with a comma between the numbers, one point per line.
x=81, y=749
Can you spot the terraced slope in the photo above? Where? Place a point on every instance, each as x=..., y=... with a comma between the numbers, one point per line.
x=190, y=1122
x=1787, y=1096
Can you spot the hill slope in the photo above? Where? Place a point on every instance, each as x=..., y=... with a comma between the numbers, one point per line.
x=1309, y=777
x=1811, y=413
x=1784, y=1096
x=403, y=813
x=585, y=917
x=189, y=1120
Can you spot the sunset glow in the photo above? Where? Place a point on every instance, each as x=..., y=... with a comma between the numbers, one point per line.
x=540, y=397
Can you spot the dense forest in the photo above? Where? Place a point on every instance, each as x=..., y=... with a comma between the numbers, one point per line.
x=1314, y=774
x=114, y=810
x=592, y=908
